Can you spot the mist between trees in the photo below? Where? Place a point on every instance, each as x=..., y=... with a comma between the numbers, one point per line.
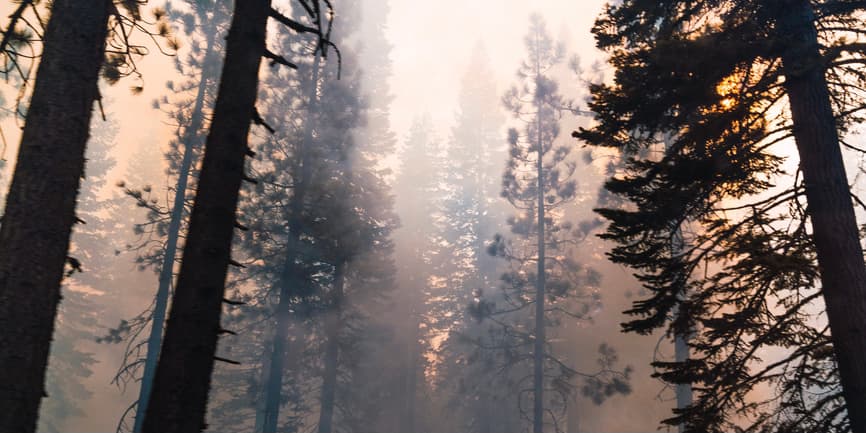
x=664, y=240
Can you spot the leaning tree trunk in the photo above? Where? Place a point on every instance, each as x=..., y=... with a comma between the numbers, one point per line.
x=333, y=327
x=182, y=381
x=837, y=241
x=40, y=207
x=190, y=138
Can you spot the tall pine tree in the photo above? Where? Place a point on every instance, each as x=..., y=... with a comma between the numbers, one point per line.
x=728, y=85
x=544, y=283
x=40, y=207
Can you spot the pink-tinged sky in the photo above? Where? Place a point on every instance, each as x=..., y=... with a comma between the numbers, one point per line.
x=433, y=41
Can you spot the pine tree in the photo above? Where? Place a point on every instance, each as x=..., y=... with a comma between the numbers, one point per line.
x=420, y=261
x=182, y=379
x=471, y=210
x=728, y=84
x=160, y=234
x=317, y=252
x=40, y=207
x=544, y=281
x=281, y=256
x=473, y=207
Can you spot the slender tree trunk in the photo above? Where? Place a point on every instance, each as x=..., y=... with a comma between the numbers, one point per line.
x=333, y=328
x=837, y=242
x=274, y=386
x=261, y=403
x=411, y=383
x=540, y=339
x=190, y=139
x=40, y=207
x=182, y=381
x=291, y=277
x=412, y=392
x=682, y=391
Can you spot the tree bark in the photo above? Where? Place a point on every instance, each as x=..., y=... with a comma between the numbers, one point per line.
x=830, y=208
x=190, y=139
x=40, y=207
x=182, y=381
x=333, y=327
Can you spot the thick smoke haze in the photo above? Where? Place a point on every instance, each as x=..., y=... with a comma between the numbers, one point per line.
x=422, y=64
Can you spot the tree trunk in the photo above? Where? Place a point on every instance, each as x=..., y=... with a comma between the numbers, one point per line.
x=682, y=391
x=290, y=277
x=274, y=384
x=538, y=382
x=333, y=327
x=182, y=381
x=261, y=403
x=410, y=386
x=190, y=138
x=840, y=257
x=40, y=207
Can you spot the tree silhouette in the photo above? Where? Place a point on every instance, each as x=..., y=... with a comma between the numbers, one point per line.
x=726, y=85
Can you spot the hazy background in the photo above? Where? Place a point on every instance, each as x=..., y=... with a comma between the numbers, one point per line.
x=433, y=42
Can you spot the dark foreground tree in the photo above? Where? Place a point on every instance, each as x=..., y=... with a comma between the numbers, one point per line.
x=728, y=84
x=182, y=381
x=160, y=235
x=40, y=207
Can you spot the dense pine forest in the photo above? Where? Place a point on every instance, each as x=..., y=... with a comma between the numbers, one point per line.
x=396, y=216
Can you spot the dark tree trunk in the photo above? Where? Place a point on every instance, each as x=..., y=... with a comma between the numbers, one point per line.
x=40, y=208
x=291, y=279
x=182, y=381
x=274, y=384
x=333, y=328
x=190, y=139
x=837, y=242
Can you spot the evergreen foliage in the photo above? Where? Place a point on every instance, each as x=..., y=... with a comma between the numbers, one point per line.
x=704, y=100
x=544, y=283
x=317, y=254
